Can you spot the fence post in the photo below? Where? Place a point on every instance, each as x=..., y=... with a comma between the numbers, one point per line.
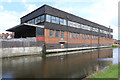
x=43, y=50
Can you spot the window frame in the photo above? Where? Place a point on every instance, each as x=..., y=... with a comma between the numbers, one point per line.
x=42, y=18
x=57, y=34
x=71, y=36
x=51, y=33
x=48, y=18
x=62, y=34
x=38, y=19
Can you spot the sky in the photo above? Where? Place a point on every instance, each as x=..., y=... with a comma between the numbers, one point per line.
x=104, y=12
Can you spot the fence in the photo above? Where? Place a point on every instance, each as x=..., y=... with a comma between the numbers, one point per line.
x=22, y=42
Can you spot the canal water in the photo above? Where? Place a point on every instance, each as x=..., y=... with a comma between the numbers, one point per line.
x=77, y=65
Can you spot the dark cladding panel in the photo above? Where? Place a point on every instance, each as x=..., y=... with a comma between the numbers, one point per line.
x=55, y=12
x=40, y=34
x=33, y=14
x=39, y=31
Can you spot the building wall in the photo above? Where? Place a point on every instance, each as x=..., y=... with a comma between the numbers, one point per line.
x=53, y=42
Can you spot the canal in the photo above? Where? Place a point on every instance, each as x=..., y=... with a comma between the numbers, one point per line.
x=77, y=64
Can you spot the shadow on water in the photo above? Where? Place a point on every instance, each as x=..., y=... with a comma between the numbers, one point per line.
x=78, y=65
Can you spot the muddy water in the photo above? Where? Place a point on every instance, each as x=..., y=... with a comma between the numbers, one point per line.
x=78, y=65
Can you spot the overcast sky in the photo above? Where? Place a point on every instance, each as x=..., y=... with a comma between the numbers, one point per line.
x=104, y=12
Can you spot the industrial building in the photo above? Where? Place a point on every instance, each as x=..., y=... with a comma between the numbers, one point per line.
x=59, y=29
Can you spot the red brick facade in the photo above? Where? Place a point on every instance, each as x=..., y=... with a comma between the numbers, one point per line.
x=67, y=38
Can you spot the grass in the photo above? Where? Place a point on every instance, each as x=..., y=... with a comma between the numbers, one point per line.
x=110, y=72
x=114, y=46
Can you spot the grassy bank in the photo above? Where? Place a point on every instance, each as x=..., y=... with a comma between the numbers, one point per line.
x=110, y=72
x=114, y=46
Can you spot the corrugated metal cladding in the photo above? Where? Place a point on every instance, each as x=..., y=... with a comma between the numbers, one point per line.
x=56, y=12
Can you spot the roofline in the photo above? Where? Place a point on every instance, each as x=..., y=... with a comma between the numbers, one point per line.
x=79, y=17
x=26, y=24
x=67, y=13
x=34, y=10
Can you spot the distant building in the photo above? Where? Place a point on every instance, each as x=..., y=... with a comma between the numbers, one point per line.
x=117, y=42
x=0, y=36
x=6, y=35
x=59, y=29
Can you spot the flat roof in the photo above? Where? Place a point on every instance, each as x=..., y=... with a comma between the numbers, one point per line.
x=23, y=26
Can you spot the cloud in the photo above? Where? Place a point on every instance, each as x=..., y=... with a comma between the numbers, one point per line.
x=108, y=15
x=46, y=0
x=8, y=19
x=69, y=9
x=30, y=7
x=6, y=0
x=104, y=12
x=11, y=18
x=1, y=7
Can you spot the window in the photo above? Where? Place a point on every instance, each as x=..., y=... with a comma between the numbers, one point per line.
x=79, y=25
x=107, y=32
x=42, y=18
x=83, y=36
x=96, y=29
x=28, y=22
x=85, y=27
x=57, y=20
x=92, y=37
x=31, y=22
x=48, y=18
x=101, y=31
x=93, y=29
x=37, y=20
x=51, y=33
x=53, y=19
x=82, y=26
x=96, y=37
x=89, y=28
x=39, y=31
x=62, y=21
x=75, y=36
x=57, y=34
x=88, y=36
x=70, y=35
x=74, y=25
x=62, y=34
x=70, y=23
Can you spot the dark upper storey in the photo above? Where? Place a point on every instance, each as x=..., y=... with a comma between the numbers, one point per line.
x=45, y=9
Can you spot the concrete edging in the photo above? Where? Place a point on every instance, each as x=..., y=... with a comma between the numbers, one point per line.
x=19, y=51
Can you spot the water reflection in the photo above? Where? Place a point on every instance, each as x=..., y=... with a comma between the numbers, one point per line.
x=77, y=65
x=114, y=58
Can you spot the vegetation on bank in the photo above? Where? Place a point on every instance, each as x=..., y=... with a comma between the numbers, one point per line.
x=110, y=72
x=114, y=46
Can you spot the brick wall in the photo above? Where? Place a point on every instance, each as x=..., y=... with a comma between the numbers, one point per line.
x=67, y=38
